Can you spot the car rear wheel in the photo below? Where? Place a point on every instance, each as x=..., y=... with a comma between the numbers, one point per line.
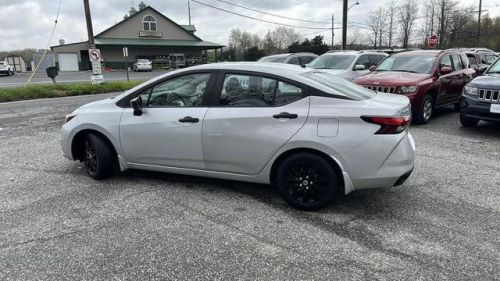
x=99, y=157
x=307, y=181
x=424, y=112
x=468, y=121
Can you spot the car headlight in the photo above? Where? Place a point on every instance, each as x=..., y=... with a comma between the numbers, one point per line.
x=69, y=117
x=408, y=89
x=470, y=91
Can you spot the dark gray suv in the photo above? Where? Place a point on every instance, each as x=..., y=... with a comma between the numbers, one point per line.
x=481, y=98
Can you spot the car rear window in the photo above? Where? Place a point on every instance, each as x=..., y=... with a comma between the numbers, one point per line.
x=340, y=86
x=273, y=59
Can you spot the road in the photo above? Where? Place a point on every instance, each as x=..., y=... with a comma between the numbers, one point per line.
x=73, y=76
x=57, y=223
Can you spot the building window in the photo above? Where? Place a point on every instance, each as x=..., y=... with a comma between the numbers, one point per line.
x=149, y=23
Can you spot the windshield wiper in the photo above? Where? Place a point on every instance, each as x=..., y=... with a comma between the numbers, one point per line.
x=402, y=70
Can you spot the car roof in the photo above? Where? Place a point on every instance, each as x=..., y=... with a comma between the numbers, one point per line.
x=352, y=52
x=419, y=53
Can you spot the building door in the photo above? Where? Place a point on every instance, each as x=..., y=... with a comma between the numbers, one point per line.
x=68, y=61
x=84, y=54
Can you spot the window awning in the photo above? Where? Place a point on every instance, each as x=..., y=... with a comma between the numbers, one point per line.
x=156, y=42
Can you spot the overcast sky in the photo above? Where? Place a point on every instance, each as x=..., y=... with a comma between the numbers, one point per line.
x=28, y=23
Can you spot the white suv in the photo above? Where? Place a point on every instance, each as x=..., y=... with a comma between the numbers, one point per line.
x=347, y=64
x=6, y=68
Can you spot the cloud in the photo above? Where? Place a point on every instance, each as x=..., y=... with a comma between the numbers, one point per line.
x=29, y=23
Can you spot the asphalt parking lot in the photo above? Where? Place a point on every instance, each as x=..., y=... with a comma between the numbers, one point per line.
x=57, y=223
x=73, y=76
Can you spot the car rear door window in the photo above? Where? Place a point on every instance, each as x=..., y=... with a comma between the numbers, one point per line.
x=457, y=62
x=375, y=59
x=489, y=58
x=256, y=91
x=294, y=60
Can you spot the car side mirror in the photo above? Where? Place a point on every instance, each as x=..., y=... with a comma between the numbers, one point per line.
x=372, y=68
x=446, y=70
x=359, y=67
x=482, y=69
x=136, y=104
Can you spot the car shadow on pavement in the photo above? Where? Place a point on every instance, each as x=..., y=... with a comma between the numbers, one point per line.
x=363, y=201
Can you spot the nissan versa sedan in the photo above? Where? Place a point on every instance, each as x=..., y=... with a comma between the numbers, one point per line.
x=309, y=133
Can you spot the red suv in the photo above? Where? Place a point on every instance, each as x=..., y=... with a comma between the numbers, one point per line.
x=429, y=78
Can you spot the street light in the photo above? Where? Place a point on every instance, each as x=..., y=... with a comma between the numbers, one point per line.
x=344, y=21
x=352, y=5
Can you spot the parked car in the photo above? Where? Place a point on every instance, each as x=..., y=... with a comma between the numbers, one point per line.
x=291, y=58
x=481, y=98
x=6, y=68
x=307, y=132
x=347, y=64
x=143, y=65
x=480, y=59
x=430, y=79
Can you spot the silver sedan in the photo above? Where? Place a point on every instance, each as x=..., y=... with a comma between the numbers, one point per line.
x=311, y=134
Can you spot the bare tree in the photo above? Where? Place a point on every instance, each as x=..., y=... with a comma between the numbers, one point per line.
x=391, y=16
x=445, y=8
x=354, y=38
x=376, y=23
x=408, y=12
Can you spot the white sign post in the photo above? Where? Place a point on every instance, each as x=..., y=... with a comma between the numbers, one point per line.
x=125, y=55
x=95, y=59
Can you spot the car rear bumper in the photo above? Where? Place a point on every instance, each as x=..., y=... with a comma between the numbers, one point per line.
x=478, y=109
x=370, y=167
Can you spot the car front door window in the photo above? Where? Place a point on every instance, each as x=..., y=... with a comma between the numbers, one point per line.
x=182, y=91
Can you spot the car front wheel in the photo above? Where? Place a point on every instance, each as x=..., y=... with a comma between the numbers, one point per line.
x=424, y=112
x=99, y=157
x=468, y=121
x=307, y=181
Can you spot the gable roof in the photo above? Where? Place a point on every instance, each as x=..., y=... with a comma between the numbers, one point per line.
x=140, y=12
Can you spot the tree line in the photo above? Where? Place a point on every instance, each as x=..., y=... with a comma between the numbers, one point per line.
x=410, y=23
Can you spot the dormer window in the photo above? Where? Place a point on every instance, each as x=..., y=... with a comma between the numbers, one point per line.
x=149, y=23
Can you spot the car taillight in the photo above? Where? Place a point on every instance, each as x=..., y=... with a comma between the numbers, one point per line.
x=389, y=124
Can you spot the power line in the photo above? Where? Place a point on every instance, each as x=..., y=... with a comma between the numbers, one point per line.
x=50, y=40
x=272, y=22
x=274, y=15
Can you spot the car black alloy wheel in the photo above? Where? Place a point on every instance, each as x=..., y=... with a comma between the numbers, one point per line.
x=306, y=183
x=91, y=159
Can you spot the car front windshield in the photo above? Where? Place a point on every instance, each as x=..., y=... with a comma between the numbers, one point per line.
x=332, y=61
x=142, y=60
x=494, y=68
x=273, y=59
x=414, y=64
x=340, y=86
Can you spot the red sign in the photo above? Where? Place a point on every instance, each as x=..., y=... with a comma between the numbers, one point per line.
x=433, y=41
x=94, y=55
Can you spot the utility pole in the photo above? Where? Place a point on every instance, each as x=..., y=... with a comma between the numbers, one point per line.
x=344, y=24
x=479, y=22
x=189, y=11
x=88, y=18
x=333, y=33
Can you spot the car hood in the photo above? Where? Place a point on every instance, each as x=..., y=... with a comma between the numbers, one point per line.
x=393, y=78
x=93, y=106
x=491, y=81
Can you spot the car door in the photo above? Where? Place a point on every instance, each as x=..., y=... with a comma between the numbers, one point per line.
x=168, y=133
x=448, y=82
x=252, y=117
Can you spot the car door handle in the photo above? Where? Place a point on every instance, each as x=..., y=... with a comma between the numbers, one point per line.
x=189, y=119
x=285, y=115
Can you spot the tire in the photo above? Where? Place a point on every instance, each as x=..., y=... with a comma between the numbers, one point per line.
x=457, y=105
x=296, y=177
x=424, y=113
x=99, y=157
x=468, y=121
